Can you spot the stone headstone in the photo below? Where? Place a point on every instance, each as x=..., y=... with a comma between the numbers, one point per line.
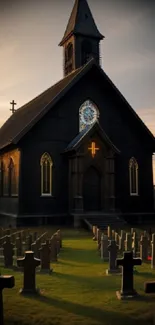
x=8, y=252
x=6, y=281
x=53, y=246
x=104, y=248
x=135, y=243
x=94, y=233
x=127, y=263
x=109, y=231
x=113, y=234
x=116, y=238
x=122, y=240
x=28, y=242
x=29, y=264
x=144, y=248
x=18, y=246
x=113, y=249
x=60, y=237
x=128, y=242
x=45, y=252
x=35, y=248
x=149, y=287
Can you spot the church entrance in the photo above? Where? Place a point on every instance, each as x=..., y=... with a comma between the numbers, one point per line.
x=92, y=190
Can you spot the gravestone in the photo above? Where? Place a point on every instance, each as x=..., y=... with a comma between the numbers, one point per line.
x=153, y=252
x=109, y=231
x=144, y=248
x=99, y=233
x=113, y=249
x=122, y=240
x=29, y=264
x=104, y=248
x=28, y=242
x=116, y=238
x=53, y=246
x=18, y=246
x=8, y=252
x=35, y=248
x=135, y=243
x=6, y=281
x=149, y=287
x=128, y=242
x=113, y=234
x=45, y=252
x=127, y=263
x=60, y=237
x=94, y=233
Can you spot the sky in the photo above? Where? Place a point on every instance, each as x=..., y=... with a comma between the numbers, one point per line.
x=31, y=60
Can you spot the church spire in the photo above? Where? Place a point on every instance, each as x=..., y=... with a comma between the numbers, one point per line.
x=81, y=38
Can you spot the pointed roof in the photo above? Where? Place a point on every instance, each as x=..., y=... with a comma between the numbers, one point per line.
x=87, y=131
x=81, y=22
x=22, y=121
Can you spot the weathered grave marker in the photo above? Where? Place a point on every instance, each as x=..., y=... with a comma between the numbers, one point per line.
x=128, y=242
x=127, y=263
x=6, y=281
x=113, y=249
x=29, y=264
x=144, y=248
x=8, y=252
x=104, y=248
x=45, y=252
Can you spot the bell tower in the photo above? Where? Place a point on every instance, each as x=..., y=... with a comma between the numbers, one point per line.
x=81, y=39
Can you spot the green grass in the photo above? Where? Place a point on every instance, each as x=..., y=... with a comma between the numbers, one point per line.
x=78, y=291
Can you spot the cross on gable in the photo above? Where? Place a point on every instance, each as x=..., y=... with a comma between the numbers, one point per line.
x=6, y=281
x=93, y=149
x=13, y=106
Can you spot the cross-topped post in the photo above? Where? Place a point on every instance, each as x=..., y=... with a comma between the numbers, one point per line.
x=127, y=263
x=13, y=106
x=6, y=281
x=29, y=263
x=93, y=149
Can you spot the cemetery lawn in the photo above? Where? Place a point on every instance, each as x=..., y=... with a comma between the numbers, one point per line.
x=78, y=292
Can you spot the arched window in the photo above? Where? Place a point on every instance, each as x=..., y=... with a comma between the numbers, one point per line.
x=5, y=179
x=13, y=189
x=133, y=176
x=88, y=114
x=46, y=174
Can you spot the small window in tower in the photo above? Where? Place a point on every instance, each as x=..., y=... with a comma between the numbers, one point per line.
x=86, y=16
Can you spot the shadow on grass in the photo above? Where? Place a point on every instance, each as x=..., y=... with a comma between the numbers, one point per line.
x=144, y=274
x=99, y=283
x=88, y=311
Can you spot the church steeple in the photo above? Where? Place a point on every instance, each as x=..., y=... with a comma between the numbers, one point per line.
x=81, y=38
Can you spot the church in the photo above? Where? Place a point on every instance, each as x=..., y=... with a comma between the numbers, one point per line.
x=79, y=148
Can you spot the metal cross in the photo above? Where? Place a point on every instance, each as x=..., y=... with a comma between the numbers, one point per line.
x=13, y=106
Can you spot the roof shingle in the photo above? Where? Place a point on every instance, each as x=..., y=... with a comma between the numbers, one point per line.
x=27, y=113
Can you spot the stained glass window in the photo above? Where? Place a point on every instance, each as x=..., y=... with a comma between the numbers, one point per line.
x=88, y=114
x=133, y=176
x=46, y=174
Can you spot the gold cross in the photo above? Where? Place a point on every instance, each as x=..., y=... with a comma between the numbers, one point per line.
x=93, y=149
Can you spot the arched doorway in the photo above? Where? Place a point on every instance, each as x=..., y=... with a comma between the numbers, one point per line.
x=92, y=190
